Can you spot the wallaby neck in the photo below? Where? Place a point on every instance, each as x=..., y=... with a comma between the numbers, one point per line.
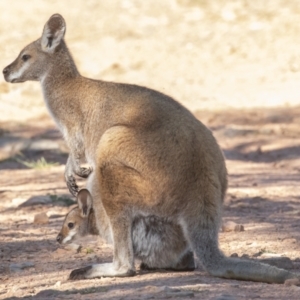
x=59, y=87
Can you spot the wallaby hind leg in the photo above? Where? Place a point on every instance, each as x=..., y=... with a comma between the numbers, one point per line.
x=203, y=239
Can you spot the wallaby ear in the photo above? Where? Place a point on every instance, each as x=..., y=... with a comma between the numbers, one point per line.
x=53, y=33
x=85, y=202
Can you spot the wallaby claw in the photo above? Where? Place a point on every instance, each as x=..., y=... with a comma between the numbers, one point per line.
x=79, y=274
x=84, y=172
x=72, y=185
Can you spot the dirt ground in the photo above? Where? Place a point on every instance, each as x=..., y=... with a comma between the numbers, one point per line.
x=235, y=64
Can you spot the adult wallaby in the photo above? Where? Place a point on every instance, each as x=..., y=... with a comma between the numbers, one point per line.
x=149, y=156
x=157, y=242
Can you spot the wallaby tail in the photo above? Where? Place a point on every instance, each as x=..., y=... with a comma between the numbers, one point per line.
x=204, y=242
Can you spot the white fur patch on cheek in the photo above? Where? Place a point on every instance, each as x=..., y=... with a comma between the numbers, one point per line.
x=69, y=236
x=19, y=73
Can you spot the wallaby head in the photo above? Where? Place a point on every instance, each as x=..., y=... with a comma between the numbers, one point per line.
x=79, y=220
x=36, y=59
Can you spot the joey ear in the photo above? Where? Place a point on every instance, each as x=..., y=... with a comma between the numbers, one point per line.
x=85, y=202
x=53, y=33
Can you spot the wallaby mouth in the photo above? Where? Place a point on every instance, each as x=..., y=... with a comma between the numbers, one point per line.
x=15, y=80
x=6, y=74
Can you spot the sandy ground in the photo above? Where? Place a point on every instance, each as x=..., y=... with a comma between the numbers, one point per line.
x=234, y=64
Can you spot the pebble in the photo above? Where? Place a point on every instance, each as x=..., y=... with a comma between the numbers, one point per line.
x=57, y=284
x=41, y=218
x=234, y=255
x=232, y=226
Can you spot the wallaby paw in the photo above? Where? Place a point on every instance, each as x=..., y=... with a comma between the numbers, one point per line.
x=84, y=172
x=72, y=185
x=79, y=274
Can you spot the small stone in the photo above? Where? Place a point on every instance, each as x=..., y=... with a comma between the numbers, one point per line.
x=57, y=284
x=41, y=218
x=232, y=226
x=234, y=255
x=292, y=281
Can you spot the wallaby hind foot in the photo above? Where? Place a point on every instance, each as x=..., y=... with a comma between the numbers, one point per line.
x=100, y=270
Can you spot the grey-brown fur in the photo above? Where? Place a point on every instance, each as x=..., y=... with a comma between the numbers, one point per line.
x=157, y=242
x=149, y=155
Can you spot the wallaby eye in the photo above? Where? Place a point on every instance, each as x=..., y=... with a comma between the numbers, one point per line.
x=25, y=57
x=71, y=225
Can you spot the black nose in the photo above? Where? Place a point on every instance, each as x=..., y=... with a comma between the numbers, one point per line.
x=5, y=71
x=59, y=238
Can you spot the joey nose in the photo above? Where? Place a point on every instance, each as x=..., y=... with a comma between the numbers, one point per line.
x=59, y=238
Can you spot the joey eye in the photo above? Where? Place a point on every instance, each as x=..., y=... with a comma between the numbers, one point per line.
x=25, y=57
x=71, y=225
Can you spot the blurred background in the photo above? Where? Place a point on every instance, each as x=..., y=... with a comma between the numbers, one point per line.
x=209, y=55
